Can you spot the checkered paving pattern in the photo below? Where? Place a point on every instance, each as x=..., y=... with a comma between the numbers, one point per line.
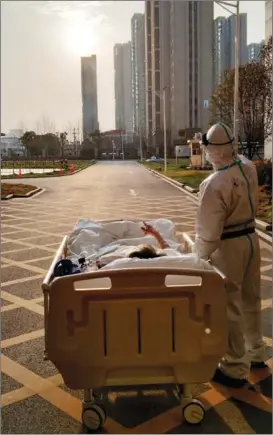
x=34, y=399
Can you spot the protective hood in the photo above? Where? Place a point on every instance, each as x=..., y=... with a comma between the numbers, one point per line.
x=218, y=134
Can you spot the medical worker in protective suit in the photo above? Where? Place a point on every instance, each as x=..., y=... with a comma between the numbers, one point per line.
x=225, y=234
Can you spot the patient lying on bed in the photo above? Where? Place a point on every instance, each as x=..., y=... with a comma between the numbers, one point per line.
x=127, y=244
x=146, y=252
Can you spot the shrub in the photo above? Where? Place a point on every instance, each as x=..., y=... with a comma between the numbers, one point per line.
x=264, y=171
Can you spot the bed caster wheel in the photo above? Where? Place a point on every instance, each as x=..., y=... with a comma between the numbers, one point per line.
x=194, y=412
x=93, y=418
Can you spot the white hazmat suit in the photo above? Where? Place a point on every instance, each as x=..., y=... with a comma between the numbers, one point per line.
x=225, y=234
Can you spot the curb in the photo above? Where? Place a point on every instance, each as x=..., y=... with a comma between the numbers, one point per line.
x=175, y=183
x=5, y=198
x=27, y=195
x=260, y=225
x=263, y=225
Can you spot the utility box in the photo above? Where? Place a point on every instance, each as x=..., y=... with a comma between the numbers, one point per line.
x=197, y=154
x=182, y=151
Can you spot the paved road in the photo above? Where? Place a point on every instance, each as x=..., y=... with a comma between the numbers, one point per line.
x=34, y=400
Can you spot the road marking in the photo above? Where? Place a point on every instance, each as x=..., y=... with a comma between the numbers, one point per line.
x=132, y=192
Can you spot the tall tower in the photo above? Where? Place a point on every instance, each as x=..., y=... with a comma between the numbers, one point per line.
x=89, y=95
x=138, y=72
x=123, y=86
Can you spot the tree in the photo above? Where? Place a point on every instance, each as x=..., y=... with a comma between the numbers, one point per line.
x=87, y=149
x=255, y=101
x=63, y=139
x=27, y=140
x=266, y=60
x=96, y=137
x=39, y=145
x=50, y=144
x=45, y=125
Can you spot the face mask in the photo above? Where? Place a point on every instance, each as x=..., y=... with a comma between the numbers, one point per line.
x=208, y=156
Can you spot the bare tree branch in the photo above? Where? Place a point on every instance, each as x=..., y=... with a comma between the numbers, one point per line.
x=255, y=100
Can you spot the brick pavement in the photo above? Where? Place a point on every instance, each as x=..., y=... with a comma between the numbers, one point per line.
x=34, y=399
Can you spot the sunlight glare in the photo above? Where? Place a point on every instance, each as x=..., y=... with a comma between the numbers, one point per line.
x=81, y=38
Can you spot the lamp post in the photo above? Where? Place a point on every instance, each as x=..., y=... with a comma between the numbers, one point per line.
x=122, y=145
x=140, y=145
x=162, y=94
x=113, y=149
x=225, y=6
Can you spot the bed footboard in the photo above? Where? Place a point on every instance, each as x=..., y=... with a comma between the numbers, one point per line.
x=132, y=328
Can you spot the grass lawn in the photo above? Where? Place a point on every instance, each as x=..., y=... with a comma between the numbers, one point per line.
x=15, y=189
x=188, y=177
x=78, y=165
x=177, y=171
x=192, y=178
x=40, y=164
x=181, y=164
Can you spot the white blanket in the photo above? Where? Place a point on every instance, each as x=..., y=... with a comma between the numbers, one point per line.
x=112, y=241
x=183, y=261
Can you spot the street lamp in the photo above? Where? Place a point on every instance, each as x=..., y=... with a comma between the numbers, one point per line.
x=139, y=131
x=122, y=144
x=162, y=94
x=140, y=143
x=224, y=5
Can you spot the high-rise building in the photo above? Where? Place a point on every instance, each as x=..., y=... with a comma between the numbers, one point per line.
x=138, y=72
x=157, y=61
x=89, y=95
x=219, y=50
x=123, y=86
x=268, y=19
x=191, y=64
x=254, y=51
x=179, y=41
x=224, y=45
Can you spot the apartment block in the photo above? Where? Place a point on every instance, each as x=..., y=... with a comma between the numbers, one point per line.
x=179, y=42
x=224, y=45
x=254, y=50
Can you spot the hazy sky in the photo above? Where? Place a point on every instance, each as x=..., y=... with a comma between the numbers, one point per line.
x=41, y=45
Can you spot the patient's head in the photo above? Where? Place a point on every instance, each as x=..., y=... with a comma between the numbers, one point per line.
x=145, y=252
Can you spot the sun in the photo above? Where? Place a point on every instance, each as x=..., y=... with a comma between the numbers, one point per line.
x=81, y=38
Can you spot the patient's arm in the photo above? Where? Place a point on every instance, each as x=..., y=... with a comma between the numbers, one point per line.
x=149, y=229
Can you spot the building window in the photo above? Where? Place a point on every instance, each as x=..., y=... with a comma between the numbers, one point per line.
x=158, y=121
x=157, y=80
x=156, y=37
x=157, y=103
x=156, y=16
x=157, y=59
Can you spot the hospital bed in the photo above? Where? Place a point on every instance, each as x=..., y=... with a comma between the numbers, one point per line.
x=129, y=327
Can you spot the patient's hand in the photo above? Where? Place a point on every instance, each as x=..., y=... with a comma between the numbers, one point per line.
x=149, y=229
